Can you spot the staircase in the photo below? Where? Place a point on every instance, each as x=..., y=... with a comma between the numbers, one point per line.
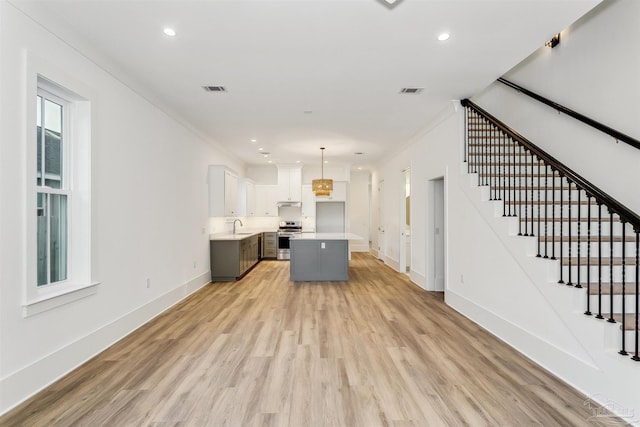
x=593, y=239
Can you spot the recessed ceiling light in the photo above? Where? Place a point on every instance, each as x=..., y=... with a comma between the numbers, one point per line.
x=260, y=149
x=358, y=152
x=359, y=168
x=326, y=161
x=253, y=140
x=444, y=36
x=169, y=32
x=297, y=161
x=270, y=161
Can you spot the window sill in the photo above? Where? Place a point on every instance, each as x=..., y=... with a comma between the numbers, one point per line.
x=52, y=300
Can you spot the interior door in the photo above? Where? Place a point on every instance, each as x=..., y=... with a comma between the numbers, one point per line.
x=381, y=236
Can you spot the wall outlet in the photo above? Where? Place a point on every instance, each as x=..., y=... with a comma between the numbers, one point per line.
x=148, y=283
x=194, y=264
x=323, y=245
x=462, y=278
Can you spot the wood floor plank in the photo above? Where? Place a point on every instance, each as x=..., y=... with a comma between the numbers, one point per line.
x=265, y=351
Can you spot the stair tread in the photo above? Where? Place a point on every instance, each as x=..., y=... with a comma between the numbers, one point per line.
x=630, y=288
x=550, y=202
x=617, y=261
x=628, y=239
x=629, y=319
x=511, y=164
x=564, y=219
x=534, y=188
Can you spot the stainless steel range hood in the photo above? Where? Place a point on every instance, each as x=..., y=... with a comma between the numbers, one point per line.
x=289, y=204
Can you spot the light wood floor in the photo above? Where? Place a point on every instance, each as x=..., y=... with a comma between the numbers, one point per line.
x=374, y=351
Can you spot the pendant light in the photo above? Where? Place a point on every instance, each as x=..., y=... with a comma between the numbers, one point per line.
x=322, y=187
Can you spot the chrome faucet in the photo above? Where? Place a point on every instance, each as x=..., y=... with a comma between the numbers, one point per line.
x=234, y=225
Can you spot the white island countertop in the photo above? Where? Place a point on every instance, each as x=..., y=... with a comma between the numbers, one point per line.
x=327, y=236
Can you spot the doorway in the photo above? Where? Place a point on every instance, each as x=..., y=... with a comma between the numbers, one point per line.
x=381, y=245
x=405, y=222
x=435, y=235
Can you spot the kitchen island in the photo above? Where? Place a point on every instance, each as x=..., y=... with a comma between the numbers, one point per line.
x=320, y=256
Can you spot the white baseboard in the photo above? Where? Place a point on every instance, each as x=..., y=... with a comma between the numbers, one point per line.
x=393, y=263
x=24, y=383
x=418, y=279
x=363, y=247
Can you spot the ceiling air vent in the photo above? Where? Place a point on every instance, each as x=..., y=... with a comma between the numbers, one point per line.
x=411, y=90
x=214, y=88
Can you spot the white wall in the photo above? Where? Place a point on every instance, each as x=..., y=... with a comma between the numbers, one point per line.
x=149, y=212
x=358, y=205
x=594, y=70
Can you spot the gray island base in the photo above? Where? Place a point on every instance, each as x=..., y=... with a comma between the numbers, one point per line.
x=320, y=257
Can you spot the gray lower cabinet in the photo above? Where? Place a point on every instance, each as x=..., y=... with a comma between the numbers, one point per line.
x=269, y=242
x=319, y=260
x=231, y=259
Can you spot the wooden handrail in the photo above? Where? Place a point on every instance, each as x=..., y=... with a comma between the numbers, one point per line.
x=619, y=136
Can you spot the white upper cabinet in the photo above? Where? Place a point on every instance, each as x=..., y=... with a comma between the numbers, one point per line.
x=308, y=201
x=266, y=200
x=246, y=197
x=339, y=193
x=223, y=192
x=289, y=184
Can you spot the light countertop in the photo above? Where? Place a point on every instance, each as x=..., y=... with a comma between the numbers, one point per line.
x=240, y=234
x=328, y=236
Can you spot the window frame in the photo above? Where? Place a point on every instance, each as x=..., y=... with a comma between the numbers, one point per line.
x=44, y=76
x=44, y=91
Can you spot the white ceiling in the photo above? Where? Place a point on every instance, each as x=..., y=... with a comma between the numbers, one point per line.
x=343, y=60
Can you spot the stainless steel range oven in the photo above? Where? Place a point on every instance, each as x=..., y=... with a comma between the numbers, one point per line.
x=287, y=230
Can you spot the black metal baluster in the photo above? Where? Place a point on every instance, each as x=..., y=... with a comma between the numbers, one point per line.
x=512, y=177
x=624, y=284
x=518, y=205
x=496, y=166
x=599, y=315
x=636, y=356
x=579, y=263
x=484, y=152
x=470, y=141
x=492, y=163
x=611, y=319
x=539, y=203
x=561, y=227
x=553, y=214
x=546, y=211
x=569, y=238
x=477, y=164
x=503, y=149
x=588, y=312
x=532, y=193
x=526, y=195
x=466, y=132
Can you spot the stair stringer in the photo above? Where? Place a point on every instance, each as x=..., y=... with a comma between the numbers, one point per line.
x=586, y=359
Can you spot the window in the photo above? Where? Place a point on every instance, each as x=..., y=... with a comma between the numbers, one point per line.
x=59, y=204
x=52, y=188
